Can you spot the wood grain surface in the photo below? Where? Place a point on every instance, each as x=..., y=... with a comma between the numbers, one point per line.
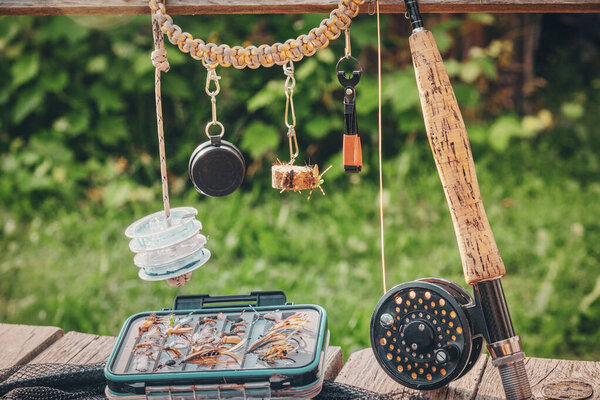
x=77, y=348
x=122, y=7
x=544, y=372
x=362, y=370
x=21, y=343
x=452, y=154
x=334, y=361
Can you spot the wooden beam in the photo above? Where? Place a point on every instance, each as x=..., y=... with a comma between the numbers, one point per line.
x=20, y=343
x=122, y=7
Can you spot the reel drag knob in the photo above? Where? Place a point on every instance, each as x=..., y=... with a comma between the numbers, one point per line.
x=421, y=336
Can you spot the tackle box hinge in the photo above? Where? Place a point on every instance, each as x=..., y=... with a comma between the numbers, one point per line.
x=251, y=390
x=256, y=299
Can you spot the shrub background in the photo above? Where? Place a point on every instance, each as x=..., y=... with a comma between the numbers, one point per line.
x=79, y=163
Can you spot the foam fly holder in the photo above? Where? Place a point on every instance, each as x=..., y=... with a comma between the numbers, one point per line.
x=299, y=375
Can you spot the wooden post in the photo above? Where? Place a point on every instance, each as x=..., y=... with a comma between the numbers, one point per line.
x=120, y=7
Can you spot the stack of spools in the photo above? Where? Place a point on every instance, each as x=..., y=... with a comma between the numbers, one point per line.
x=168, y=249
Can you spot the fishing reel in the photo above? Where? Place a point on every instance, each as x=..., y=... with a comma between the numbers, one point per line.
x=426, y=333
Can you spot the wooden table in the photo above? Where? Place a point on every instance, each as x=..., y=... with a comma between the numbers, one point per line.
x=21, y=344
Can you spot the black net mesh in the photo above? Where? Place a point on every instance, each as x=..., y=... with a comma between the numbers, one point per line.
x=87, y=382
x=53, y=382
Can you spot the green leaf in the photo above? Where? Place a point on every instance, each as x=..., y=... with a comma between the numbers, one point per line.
x=470, y=71
x=107, y=98
x=28, y=101
x=442, y=38
x=55, y=81
x=142, y=64
x=25, y=69
x=258, y=138
x=270, y=93
x=59, y=29
x=401, y=91
x=74, y=123
x=117, y=194
x=178, y=87
x=466, y=95
x=306, y=69
x=572, y=110
x=453, y=66
x=367, y=96
x=488, y=67
x=485, y=19
x=502, y=130
x=111, y=130
x=320, y=127
x=97, y=65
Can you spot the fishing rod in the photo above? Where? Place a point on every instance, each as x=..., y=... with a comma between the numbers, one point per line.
x=429, y=332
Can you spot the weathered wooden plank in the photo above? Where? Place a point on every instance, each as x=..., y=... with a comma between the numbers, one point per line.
x=334, y=361
x=542, y=373
x=21, y=343
x=121, y=7
x=362, y=370
x=77, y=348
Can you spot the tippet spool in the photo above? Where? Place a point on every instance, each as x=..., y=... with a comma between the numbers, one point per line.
x=216, y=167
x=167, y=249
x=422, y=335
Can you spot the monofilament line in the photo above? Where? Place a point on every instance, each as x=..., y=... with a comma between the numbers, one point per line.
x=380, y=152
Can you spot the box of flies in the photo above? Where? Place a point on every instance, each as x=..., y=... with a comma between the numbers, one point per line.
x=255, y=346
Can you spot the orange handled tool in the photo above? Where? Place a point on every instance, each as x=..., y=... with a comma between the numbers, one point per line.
x=352, y=151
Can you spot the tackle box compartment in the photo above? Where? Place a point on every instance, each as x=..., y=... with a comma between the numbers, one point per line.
x=256, y=346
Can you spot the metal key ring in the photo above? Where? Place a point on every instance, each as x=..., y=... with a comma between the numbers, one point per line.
x=211, y=123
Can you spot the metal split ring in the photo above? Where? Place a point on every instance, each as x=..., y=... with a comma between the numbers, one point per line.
x=212, y=123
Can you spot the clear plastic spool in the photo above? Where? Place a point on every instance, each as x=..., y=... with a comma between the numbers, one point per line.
x=168, y=248
x=163, y=273
x=154, y=231
x=171, y=254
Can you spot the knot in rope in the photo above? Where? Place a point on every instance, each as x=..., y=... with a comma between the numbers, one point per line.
x=159, y=59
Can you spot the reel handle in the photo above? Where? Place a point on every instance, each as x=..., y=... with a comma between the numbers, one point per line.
x=454, y=161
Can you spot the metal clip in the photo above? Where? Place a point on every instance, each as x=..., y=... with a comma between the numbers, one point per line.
x=348, y=49
x=371, y=11
x=212, y=76
x=290, y=83
x=291, y=133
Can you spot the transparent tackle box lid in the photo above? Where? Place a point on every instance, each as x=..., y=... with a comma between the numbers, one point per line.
x=248, y=346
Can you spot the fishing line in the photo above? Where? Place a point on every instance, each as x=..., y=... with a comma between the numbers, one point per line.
x=380, y=151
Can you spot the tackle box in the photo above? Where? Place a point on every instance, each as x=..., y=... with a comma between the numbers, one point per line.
x=256, y=346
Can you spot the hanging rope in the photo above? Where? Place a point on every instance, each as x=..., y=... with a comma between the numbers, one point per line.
x=161, y=64
x=264, y=55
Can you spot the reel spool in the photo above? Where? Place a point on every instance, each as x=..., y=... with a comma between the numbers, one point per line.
x=422, y=334
x=216, y=167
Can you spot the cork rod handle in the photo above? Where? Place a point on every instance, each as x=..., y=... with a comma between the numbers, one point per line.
x=454, y=161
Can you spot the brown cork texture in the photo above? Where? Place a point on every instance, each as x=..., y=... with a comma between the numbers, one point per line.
x=303, y=177
x=454, y=161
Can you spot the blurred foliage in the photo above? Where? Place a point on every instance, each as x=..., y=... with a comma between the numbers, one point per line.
x=79, y=161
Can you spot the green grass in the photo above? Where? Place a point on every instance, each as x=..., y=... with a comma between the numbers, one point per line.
x=74, y=269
